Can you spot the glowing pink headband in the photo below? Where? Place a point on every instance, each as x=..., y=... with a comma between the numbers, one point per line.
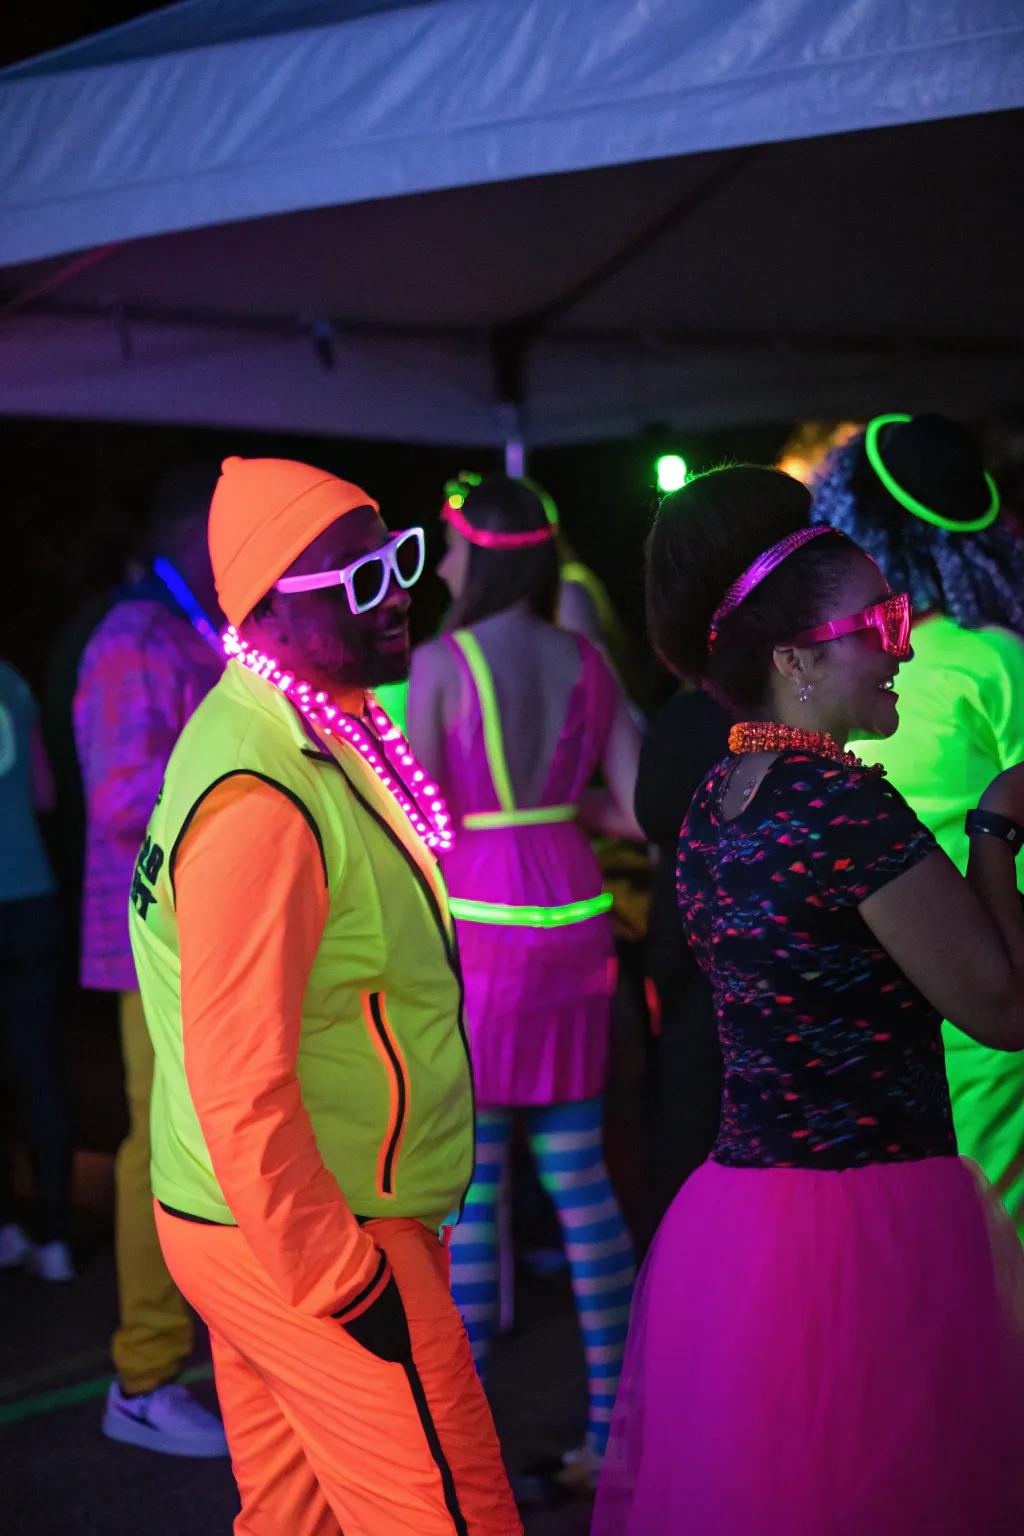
x=488, y=540
x=756, y=573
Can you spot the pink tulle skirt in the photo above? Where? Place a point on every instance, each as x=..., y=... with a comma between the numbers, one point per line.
x=824, y=1354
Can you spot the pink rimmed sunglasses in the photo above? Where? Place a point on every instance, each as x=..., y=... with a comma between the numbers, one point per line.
x=890, y=619
x=367, y=579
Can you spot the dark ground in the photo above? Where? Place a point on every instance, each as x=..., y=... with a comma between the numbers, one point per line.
x=60, y=1477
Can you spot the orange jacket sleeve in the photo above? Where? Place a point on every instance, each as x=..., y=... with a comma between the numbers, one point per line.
x=251, y=900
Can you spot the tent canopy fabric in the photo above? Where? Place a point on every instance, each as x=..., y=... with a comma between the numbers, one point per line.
x=182, y=119
x=468, y=219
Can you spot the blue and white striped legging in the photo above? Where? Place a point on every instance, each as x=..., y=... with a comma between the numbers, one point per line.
x=565, y=1140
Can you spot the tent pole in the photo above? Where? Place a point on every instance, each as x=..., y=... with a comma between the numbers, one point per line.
x=515, y=458
x=508, y=358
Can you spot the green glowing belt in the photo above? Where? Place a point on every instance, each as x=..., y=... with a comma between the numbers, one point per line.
x=530, y=917
x=535, y=816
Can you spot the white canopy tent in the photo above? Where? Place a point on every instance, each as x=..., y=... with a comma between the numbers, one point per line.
x=475, y=220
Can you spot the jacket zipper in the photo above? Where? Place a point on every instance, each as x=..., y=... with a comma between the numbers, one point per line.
x=377, y=1018
x=450, y=944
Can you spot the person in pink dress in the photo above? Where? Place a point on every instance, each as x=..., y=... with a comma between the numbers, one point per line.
x=515, y=717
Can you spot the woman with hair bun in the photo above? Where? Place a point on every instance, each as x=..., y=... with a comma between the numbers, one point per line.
x=828, y=1335
x=915, y=495
x=514, y=717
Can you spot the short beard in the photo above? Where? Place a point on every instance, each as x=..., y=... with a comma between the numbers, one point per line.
x=380, y=667
x=357, y=666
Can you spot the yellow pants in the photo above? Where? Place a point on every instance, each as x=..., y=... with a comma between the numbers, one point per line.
x=155, y=1333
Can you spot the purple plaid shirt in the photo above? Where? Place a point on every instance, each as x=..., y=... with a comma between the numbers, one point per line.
x=141, y=676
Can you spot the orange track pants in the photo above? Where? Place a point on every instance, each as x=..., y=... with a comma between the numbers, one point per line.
x=325, y=1438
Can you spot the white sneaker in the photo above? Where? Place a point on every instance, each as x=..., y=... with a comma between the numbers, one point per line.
x=50, y=1261
x=14, y=1245
x=168, y=1419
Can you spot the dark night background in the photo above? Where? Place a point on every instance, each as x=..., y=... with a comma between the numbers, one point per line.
x=74, y=492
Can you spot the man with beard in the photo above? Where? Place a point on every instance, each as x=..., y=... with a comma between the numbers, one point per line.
x=312, y=1118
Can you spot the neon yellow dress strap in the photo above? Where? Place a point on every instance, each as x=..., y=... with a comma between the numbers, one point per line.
x=510, y=814
x=494, y=743
x=582, y=575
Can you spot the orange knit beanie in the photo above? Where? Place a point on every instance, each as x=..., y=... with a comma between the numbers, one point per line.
x=264, y=513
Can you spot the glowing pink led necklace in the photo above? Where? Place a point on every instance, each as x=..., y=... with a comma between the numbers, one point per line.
x=421, y=801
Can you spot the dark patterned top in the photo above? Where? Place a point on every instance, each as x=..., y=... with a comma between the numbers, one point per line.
x=832, y=1058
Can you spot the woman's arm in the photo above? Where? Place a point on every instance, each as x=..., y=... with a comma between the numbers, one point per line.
x=991, y=869
x=961, y=942
x=610, y=810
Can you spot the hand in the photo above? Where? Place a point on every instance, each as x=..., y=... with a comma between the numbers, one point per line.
x=383, y=1328
x=1005, y=794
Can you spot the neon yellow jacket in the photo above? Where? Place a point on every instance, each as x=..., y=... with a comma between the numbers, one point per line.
x=380, y=1058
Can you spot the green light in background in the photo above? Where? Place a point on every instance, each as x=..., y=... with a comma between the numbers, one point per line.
x=670, y=472
x=457, y=489
x=394, y=700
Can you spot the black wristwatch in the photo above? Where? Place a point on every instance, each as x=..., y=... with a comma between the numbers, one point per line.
x=993, y=825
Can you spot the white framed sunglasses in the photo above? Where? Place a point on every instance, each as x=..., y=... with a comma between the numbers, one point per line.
x=367, y=579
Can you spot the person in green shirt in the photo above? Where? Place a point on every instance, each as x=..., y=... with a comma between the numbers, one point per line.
x=914, y=494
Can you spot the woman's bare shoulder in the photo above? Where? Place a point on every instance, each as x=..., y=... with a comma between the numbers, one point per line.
x=432, y=661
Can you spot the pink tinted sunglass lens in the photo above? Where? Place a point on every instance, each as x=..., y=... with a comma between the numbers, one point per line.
x=895, y=625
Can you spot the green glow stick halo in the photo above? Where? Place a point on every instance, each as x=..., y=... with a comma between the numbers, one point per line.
x=911, y=503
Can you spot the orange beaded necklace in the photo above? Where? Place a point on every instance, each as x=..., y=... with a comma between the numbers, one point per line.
x=771, y=736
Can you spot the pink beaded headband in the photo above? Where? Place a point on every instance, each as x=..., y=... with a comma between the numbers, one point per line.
x=756, y=573
x=488, y=540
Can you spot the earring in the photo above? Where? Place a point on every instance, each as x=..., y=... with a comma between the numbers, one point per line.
x=803, y=693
